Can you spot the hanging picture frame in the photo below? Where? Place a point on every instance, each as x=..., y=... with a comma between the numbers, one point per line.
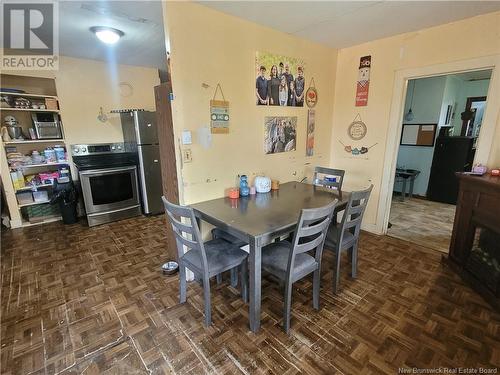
x=311, y=94
x=219, y=113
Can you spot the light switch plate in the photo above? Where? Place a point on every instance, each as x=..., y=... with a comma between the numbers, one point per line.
x=186, y=137
x=187, y=156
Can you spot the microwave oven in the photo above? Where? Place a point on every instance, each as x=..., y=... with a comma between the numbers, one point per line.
x=46, y=125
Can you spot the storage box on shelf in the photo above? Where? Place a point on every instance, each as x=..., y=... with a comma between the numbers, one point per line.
x=31, y=179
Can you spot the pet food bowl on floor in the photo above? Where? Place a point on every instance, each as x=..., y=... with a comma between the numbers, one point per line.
x=170, y=267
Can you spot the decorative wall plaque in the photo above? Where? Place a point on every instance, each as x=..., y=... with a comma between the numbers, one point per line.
x=357, y=129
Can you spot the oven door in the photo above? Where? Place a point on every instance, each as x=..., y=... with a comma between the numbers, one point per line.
x=109, y=189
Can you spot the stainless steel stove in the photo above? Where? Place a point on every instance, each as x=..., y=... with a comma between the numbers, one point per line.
x=108, y=176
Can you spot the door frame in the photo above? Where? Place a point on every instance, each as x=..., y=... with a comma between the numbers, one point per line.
x=486, y=136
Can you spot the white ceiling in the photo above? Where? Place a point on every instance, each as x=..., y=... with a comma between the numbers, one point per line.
x=333, y=23
x=341, y=24
x=142, y=22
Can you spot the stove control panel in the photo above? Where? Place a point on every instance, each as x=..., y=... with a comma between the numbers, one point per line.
x=97, y=149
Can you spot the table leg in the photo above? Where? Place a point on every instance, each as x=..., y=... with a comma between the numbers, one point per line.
x=412, y=180
x=255, y=284
x=403, y=192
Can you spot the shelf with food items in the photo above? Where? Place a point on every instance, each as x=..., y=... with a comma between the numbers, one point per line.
x=34, y=181
x=50, y=156
x=19, y=101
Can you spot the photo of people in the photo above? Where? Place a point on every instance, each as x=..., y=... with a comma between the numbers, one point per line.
x=279, y=80
x=280, y=134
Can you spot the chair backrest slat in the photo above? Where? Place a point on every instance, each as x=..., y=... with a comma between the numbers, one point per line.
x=184, y=225
x=310, y=245
x=353, y=213
x=321, y=173
x=310, y=232
x=181, y=227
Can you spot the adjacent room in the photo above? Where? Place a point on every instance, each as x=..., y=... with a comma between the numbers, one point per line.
x=238, y=187
x=441, y=124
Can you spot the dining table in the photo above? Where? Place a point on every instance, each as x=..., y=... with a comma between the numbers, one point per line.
x=261, y=218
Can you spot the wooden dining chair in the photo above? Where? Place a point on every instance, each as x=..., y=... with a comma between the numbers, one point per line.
x=323, y=177
x=345, y=235
x=290, y=262
x=204, y=259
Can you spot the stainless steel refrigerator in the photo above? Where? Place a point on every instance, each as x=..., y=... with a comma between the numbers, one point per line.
x=140, y=135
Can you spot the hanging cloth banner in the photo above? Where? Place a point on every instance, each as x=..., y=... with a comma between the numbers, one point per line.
x=363, y=83
x=311, y=94
x=219, y=113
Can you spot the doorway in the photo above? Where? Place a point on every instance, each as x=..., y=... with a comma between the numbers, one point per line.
x=441, y=124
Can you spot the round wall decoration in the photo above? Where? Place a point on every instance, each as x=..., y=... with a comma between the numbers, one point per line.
x=311, y=95
x=126, y=89
x=357, y=129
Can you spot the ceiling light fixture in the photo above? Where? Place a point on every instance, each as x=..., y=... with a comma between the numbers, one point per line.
x=409, y=115
x=106, y=34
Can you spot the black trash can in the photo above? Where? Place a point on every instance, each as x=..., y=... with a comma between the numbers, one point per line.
x=66, y=196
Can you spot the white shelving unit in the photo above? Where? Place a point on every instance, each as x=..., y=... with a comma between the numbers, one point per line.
x=40, y=85
x=26, y=166
x=50, y=219
x=31, y=110
x=32, y=141
x=24, y=95
x=28, y=188
x=33, y=203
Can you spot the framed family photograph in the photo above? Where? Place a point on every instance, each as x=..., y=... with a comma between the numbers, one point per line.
x=280, y=80
x=280, y=134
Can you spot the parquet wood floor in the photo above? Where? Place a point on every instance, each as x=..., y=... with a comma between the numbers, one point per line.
x=79, y=300
x=422, y=222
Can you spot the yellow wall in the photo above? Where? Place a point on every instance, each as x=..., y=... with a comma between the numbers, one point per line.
x=83, y=86
x=467, y=39
x=210, y=47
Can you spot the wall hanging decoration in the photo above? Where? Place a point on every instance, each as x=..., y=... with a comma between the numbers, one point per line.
x=311, y=123
x=219, y=113
x=280, y=134
x=279, y=80
x=311, y=95
x=357, y=129
x=363, y=81
x=355, y=150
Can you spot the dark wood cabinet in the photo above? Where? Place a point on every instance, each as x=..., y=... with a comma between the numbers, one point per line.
x=475, y=242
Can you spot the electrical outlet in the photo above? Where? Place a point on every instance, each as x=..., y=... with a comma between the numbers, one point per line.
x=187, y=156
